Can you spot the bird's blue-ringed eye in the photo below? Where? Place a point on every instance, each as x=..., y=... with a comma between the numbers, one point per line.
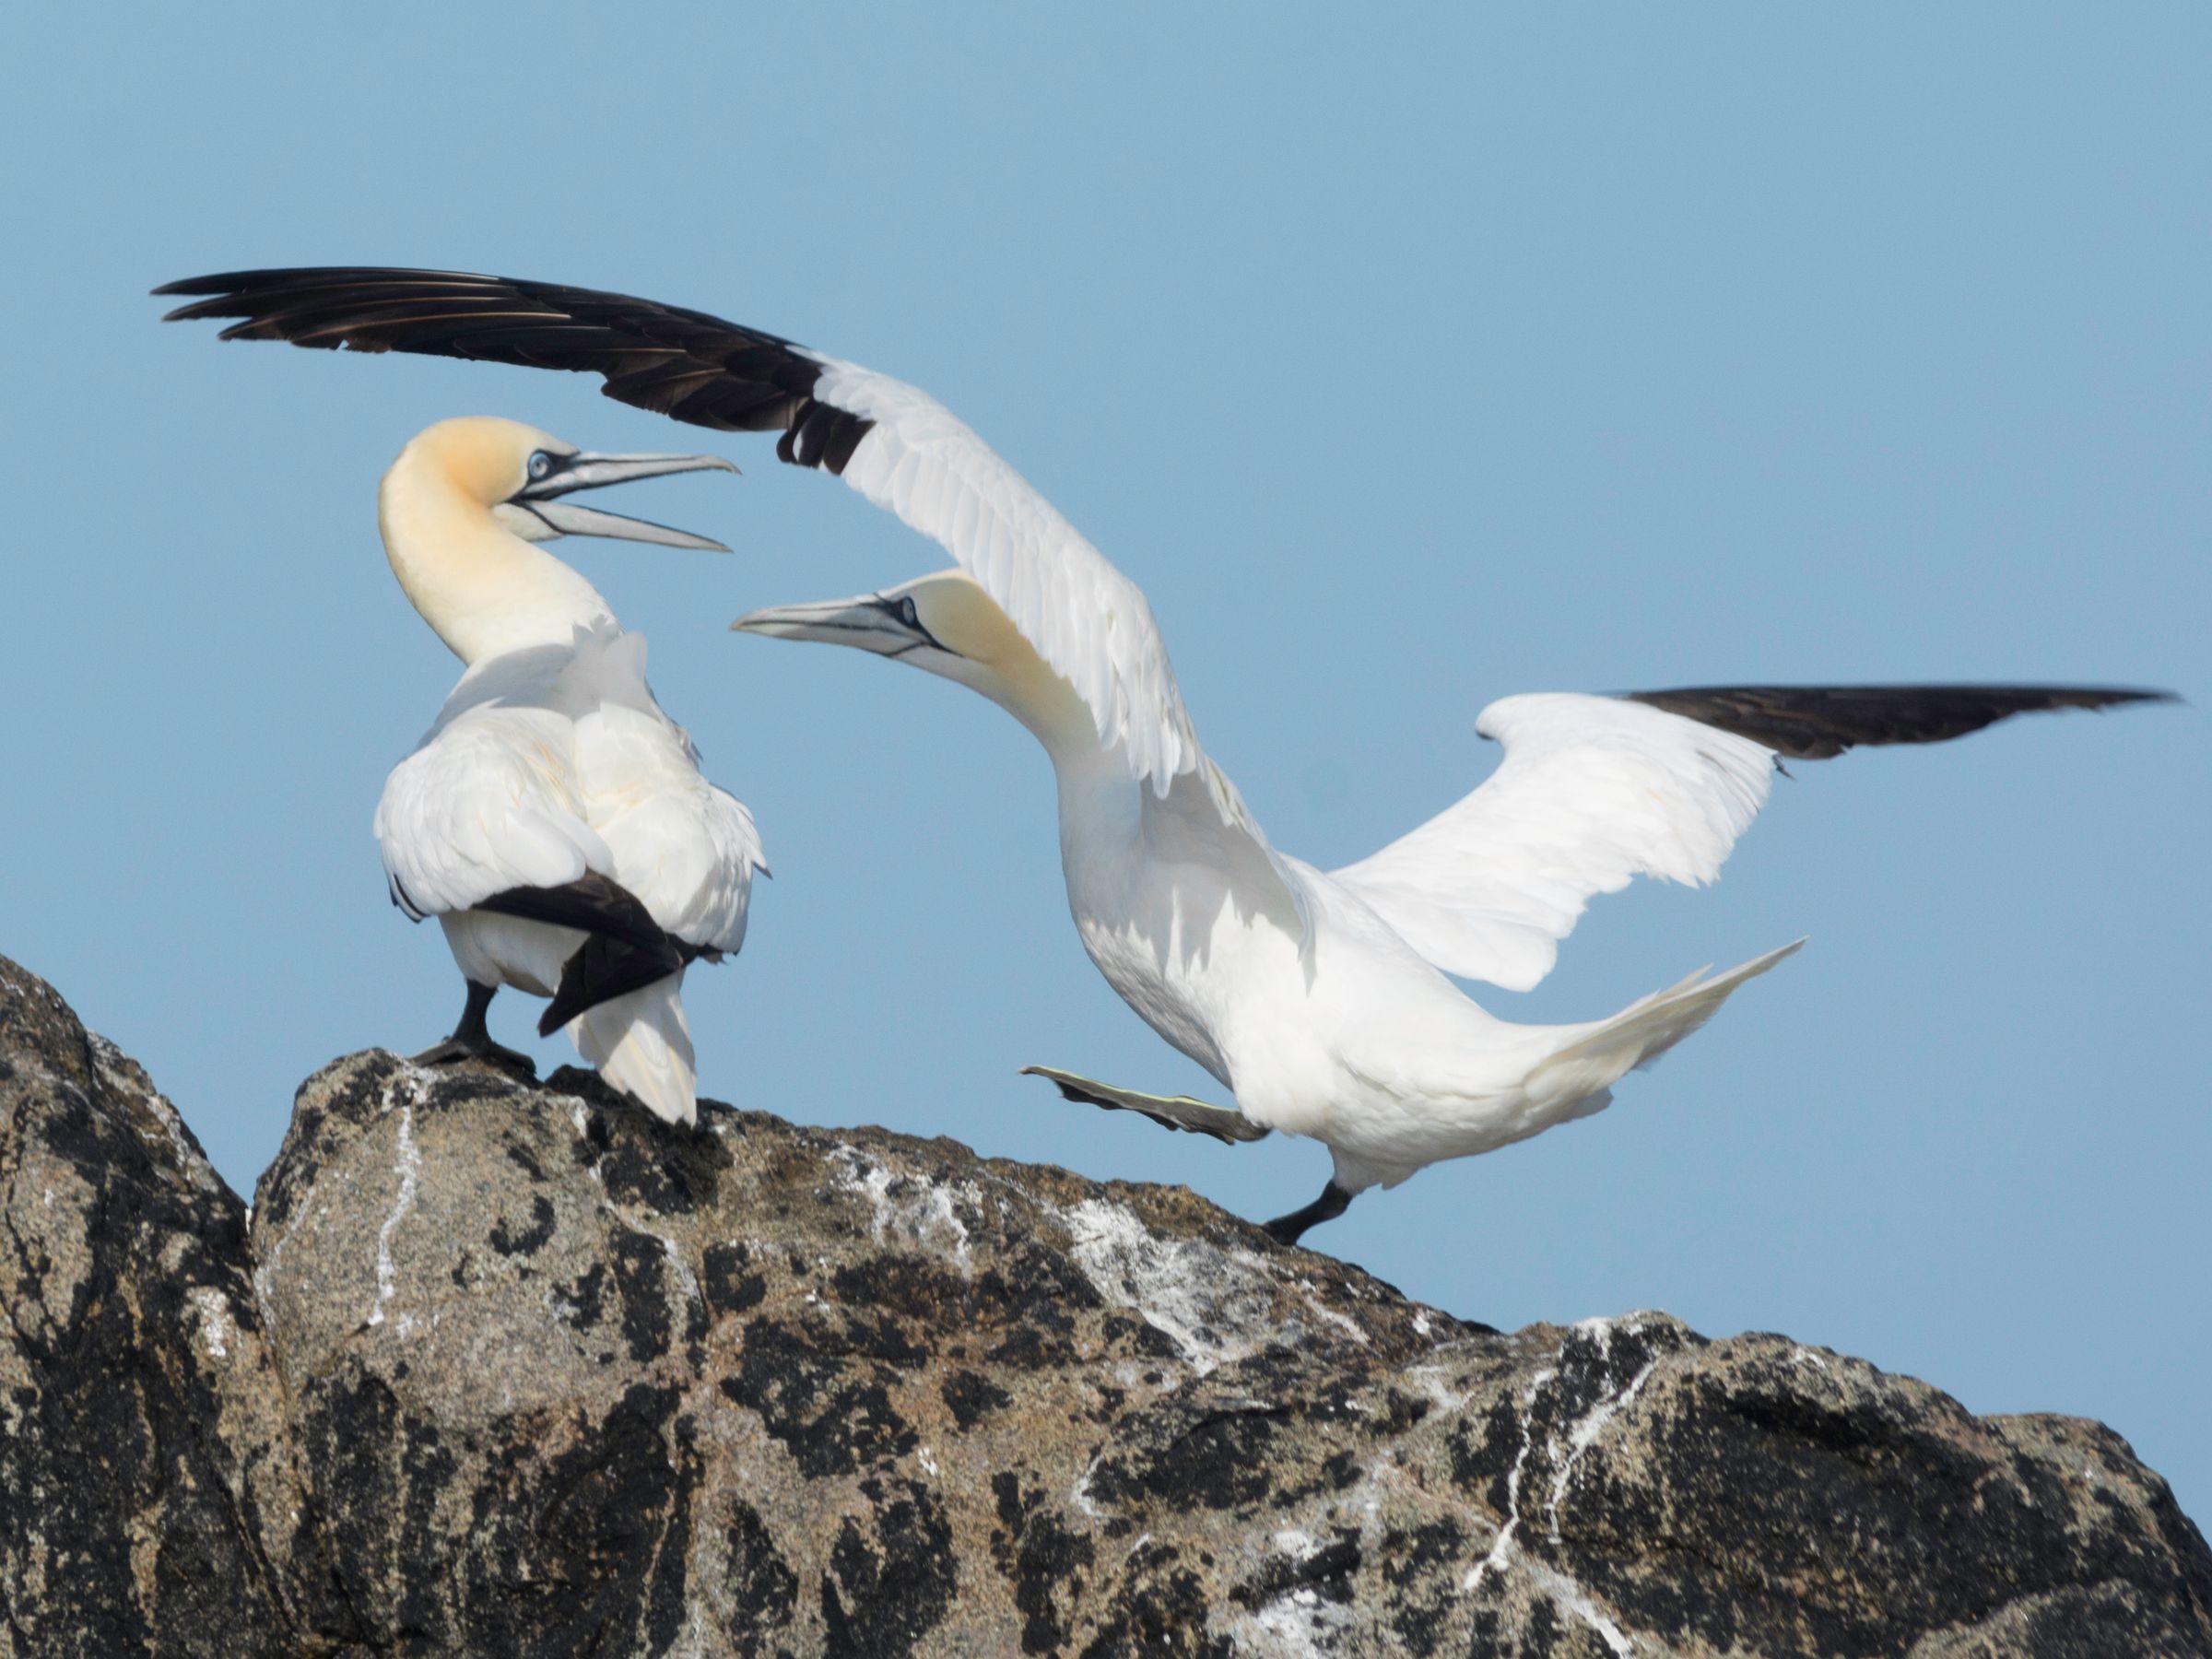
x=540, y=464
x=908, y=614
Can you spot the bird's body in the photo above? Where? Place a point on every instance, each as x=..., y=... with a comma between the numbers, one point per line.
x=1319, y=999
x=552, y=800
x=1281, y=980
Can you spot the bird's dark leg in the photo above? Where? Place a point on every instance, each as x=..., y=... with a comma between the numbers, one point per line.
x=1288, y=1230
x=1171, y=1111
x=472, y=1039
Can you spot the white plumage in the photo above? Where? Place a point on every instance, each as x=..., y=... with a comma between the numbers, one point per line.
x=550, y=762
x=1089, y=622
x=1592, y=792
x=1319, y=998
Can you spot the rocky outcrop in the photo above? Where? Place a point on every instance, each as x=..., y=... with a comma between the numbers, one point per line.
x=507, y=1370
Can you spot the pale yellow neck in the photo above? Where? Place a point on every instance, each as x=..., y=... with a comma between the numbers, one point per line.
x=484, y=590
x=1026, y=686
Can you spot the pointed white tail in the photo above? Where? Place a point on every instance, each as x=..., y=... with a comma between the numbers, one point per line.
x=1641, y=1032
x=641, y=1042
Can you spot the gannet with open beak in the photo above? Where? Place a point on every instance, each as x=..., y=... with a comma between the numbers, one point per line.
x=553, y=818
x=1319, y=998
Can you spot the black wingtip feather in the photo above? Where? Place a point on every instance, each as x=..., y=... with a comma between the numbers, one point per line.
x=601, y=969
x=689, y=365
x=1817, y=723
x=593, y=903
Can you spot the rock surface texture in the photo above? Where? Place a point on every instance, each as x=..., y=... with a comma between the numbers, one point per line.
x=509, y=1370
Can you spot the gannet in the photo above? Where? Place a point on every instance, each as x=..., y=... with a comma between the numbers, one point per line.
x=553, y=818
x=1319, y=999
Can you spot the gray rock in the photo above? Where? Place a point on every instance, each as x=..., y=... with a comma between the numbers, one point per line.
x=500, y=1369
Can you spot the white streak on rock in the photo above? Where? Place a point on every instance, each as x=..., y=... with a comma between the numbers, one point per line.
x=409, y=1167
x=1501, y=1546
x=1216, y=1305
x=114, y=1068
x=1585, y=1434
x=1565, y=1593
x=1562, y=1589
x=1079, y=1494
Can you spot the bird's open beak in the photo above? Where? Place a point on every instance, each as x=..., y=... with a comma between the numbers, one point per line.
x=888, y=627
x=537, y=513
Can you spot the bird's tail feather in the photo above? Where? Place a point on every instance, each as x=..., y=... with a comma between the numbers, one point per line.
x=641, y=1042
x=1642, y=1032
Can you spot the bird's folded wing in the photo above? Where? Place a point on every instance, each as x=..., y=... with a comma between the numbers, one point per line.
x=690, y=854
x=685, y=847
x=473, y=813
x=1592, y=792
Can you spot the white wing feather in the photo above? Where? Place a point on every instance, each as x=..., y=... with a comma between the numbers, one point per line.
x=553, y=762
x=1592, y=793
x=1085, y=618
x=485, y=803
x=1089, y=622
x=686, y=849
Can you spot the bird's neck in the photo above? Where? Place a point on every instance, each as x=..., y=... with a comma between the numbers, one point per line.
x=1020, y=682
x=482, y=589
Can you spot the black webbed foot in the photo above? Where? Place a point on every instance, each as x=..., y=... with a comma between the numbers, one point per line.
x=472, y=1041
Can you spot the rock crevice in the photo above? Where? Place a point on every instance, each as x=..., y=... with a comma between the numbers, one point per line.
x=499, y=1369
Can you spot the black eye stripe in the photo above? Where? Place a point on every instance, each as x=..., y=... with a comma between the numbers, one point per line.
x=908, y=616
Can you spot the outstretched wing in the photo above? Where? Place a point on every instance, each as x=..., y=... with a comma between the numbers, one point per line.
x=1594, y=790
x=896, y=445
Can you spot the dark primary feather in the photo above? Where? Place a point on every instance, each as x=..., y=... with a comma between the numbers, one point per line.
x=593, y=903
x=685, y=364
x=1813, y=723
x=601, y=969
x=625, y=948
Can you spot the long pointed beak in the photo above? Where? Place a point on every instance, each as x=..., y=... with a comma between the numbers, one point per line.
x=540, y=499
x=886, y=627
x=585, y=470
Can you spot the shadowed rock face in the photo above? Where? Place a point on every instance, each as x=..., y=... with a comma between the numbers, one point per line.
x=504, y=1370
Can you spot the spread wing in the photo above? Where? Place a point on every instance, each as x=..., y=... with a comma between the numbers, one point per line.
x=1594, y=790
x=896, y=445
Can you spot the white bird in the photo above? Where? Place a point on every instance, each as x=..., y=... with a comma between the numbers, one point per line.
x=1319, y=998
x=553, y=818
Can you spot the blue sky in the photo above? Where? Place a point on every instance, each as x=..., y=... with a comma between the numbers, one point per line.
x=1404, y=365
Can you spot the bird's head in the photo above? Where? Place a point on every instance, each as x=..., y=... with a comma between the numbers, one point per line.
x=934, y=622
x=521, y=475
x=949, y=625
